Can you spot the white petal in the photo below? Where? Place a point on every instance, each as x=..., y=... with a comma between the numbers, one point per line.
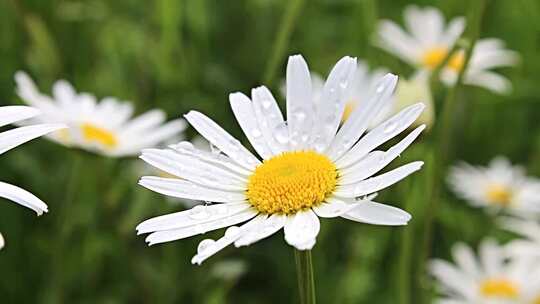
x=452, y=278
x=264, y=229
x=199, y=214
x=378, y=214
x=22, y=197
x=11, y=114
x=489, y=80
x=465, y=259
x=426, y=24
x=453, y=31
x=12, y=138
x=394, y=40
x=332, y=102
x=376, y=160
x=63, y=92
x=245, y=115
x=148, y=120
x=2, y=242
x=378, y=182
x=300, y=106
x=181, y=233
x=270, y=120
x=186, y=189
x=379, y=135
x=209, y=247
x=333, y=208
x=194, y=170
x=301, y=229
x=222, y=140
x=491, y=256
x=188, y=149
x=360, y=119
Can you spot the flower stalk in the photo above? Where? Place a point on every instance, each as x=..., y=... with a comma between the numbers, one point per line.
x=304, y=273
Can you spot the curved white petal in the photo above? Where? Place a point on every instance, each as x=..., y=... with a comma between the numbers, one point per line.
x=245, y=115
x=197, y=215
x=453, y=279
x=11, y=114
x=186, y=189
x=466, y=260
x=377, y=214
x=425, y=24
x=394, y=40
x=22, y=197
x=270, y=119
x=332, y=102
x=300, y=106
x=145, y=121
x=194, y=170
x=376, y=160
x=382, y=133
x=188, y=149
x=453, y=31
x=333, y=207
x=261, y=230
x=181, y=233
x=222, y=140
x=378, y=182
x=359, y=121
x=2, y=242
x=12, y=138
x=301, y=229
x=209, y=247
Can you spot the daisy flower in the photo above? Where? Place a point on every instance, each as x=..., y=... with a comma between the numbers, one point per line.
x=499, y=186
x=14, y=137
x=429, y=40
x=529, y=230
x=365, y=82
x=104, y=127
x=490, y=278
x=310, y=167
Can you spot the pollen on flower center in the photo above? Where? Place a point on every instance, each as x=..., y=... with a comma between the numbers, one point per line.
x=499, y=195
x=291, y=182
x=499, y=288
x=91, y=133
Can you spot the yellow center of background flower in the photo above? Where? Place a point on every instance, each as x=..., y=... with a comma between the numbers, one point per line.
x=349, y=108
x=499, y=288
x=499, y=195
x=435, y=56
x=92, y=133
x=291, y=182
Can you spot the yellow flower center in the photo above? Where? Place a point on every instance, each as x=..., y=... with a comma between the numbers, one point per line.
x=102, y=136
x=435, y=56
x=499, y=195
x=349, y=108
x=291, y=181
x=457, y=61
x=536, y=301
x=499, y=288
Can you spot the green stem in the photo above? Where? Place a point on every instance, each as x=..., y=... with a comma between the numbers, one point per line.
x=282, y=39
x=445, y=131
x=304, y=273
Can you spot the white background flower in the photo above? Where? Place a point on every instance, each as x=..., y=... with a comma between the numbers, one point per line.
x=325, y=172
x=105, y=127
x=499, y=186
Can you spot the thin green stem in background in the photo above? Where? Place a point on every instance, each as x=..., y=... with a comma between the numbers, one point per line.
x=304, y=273
x=445, y=128
x=282, y=39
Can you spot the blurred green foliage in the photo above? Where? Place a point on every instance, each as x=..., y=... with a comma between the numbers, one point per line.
x=182, y=55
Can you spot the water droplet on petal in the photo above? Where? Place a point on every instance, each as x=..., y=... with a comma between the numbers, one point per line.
x=214, y=149
x=256, y=133
x=380, y=89
x=281, y=133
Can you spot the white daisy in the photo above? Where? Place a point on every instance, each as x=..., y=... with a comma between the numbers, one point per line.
x=14, y=137
x=429, y=40
x=529, y=246
x=308, y=171
x=487, y=54
x=104, y=127
x=492, y=278
x=408, y=92
x=500, y=186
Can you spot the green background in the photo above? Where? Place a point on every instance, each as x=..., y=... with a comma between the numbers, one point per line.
x=183, y=55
